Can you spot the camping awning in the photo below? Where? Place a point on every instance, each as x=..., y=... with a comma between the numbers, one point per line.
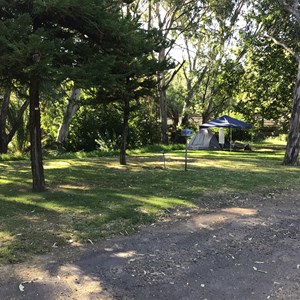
x=226, y=121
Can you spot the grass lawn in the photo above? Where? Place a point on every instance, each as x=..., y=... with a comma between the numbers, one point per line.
x=92, y=198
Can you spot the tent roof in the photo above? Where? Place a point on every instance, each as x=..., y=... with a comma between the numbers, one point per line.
x=226, y=121
x=204, y=139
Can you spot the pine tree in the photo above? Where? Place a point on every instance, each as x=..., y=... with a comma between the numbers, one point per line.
x=46, y=40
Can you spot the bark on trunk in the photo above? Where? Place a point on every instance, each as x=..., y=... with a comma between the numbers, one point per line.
x=38, y=179
x=206, y=115
x=17, y=121
x=71, y=109
x=163, y=100
x=292, y=149
x=124, y=137
x=187, y=104
x=3, y=144
x=164, y=116
x=3, y=118
x=5, y=138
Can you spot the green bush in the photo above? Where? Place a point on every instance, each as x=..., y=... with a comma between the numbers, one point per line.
x=95, y=128
x=100, y=128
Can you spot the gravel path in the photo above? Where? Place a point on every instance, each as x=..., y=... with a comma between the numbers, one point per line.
x=244, y=247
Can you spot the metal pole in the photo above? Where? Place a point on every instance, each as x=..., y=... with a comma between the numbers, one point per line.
x=230, y=142
x=186, y=153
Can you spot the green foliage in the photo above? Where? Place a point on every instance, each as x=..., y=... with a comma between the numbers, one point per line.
x=213, y=69
x=20, y=142
x=95, y=127
x=266, y=88
x=100, y=128
x=53, y=99
x=88, y=42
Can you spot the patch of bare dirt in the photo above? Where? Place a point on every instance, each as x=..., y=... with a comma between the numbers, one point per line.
x=239, y=247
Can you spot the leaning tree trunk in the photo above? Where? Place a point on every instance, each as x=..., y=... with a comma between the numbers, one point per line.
x=3, y=117
x=124, y=137
x=71, y=109
x=37, y=168
x=18, y=121
x=292, y=149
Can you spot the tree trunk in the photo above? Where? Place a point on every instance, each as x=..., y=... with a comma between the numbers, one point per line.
x=3, y=118
x=124, y=137
x=71, y=109
x=163, y=99
x=5, y=138
x=207, y=113
x=292, y=149
x=187, y=104
x=37, y=168
x=17, y=121
x=164, y=115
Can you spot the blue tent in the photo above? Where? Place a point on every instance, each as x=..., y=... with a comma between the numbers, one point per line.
x=227, y=122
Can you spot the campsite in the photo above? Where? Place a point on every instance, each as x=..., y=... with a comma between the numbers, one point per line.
x=149, y=149
x=206, y=139
x=157, y=232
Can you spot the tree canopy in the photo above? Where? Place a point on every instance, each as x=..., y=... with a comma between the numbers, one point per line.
x=116, y=56
x=88, y=42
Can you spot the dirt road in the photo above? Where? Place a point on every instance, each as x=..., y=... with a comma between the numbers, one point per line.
x=244, y=247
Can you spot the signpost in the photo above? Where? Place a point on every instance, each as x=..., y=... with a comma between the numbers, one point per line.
x=186, y=133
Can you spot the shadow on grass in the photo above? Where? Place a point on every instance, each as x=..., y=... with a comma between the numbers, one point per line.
x=188, y=260
x=96, y=198
x=27, y=229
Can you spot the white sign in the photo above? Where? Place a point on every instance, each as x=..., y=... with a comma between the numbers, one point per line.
x=186, y=132
x=221, y=136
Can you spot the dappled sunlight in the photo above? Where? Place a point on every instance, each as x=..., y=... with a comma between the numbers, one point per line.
x=213, y=220
x=127, y=254
x=2, y=165
x=35, y=219
x=96, y=197
x=6, y=236
x=72, y=275
x=240, y=211
x=74, y=282
x=158, y=202
x=117, y=167
x=5, y=180
x=102, y=162
x=62, y=208
x=231, y=166
x=25, y=197
x=57, y=164
x=78, y=186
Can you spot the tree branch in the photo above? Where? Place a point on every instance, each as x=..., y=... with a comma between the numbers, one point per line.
x=174, y=74
x=292, y=10
x=282, y=44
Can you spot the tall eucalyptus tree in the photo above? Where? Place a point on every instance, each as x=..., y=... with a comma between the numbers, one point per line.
x=167, y=16
x=212, y=59
x=280, y=21
x=70, y=110
x=292, y=8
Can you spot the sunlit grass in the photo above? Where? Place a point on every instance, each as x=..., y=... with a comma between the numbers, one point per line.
x=92, y=198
